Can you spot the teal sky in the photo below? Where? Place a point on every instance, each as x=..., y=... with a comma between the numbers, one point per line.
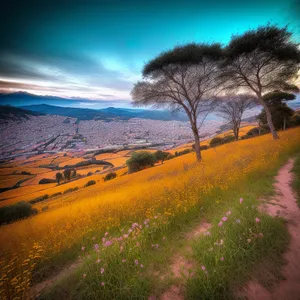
x=96, y=49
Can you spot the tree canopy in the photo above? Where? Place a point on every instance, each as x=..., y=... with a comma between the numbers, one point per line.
x=184, y=78
x=260, y=61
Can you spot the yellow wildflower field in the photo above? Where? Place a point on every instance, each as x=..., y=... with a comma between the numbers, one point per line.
x=170, y=189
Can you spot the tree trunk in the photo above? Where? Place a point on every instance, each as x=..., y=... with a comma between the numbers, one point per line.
x=269, y=119
x=237, y=133
x=197, y=143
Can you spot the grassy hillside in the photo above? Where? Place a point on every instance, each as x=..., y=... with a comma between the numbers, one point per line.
x=131, y=224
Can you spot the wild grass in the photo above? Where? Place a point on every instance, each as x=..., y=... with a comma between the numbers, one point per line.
x=296, y=182
x=167, y=204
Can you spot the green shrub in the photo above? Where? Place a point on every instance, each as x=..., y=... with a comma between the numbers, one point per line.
x=47, y=180
x=244, y=137
x=110, y=176
x=55, y=195
x=39, y=199
x=140, y=161
x=15, y=212
x=228, y=139
x=216, y=141
x=89, y=183
x=161, y=155
x=204, y=147
x=70, y=190
x=26, y=173
x=183, y=152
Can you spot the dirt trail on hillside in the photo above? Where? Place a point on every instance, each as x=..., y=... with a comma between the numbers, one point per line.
x=283, y=205
x=182, y=267
x=38, y=288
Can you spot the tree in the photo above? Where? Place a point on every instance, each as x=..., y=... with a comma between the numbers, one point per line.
x=280, y=112
x=260, y=61
x=161, y=155
x=140, y=161
x=185, y=78
x=233, y=108
x=67, y=174
x=74, y=173
x=59, y=177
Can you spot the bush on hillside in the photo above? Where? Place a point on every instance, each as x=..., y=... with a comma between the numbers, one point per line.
x=228, y=139
x=26, y=173
x=161, y=155
x=216, y=141
x=110, y=176
x=203, y=147
x=255, y=131
x=39, y=199
x=183, y=152
x=55, y=195
x=15, y=212
x=140, y=161
x=47, y=180
x=245, y=137
x=89, y=183
x=70, y=190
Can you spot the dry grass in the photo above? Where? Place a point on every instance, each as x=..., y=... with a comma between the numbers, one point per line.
x=126, y=199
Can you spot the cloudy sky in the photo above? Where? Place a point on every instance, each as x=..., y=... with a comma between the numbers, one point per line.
x=96, y=49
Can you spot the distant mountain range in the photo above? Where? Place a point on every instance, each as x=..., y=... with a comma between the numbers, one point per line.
x=110, y=113
x=65, y=107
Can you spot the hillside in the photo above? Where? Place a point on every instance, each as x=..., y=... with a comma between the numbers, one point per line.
x=147, y=225
x=16, y=114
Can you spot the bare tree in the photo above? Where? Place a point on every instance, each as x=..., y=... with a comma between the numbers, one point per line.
x=185, y=78
x=233, y=107
x=260, y=61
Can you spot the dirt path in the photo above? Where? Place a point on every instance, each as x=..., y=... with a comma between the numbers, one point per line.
x=38, y=288
x=181, y=267
x=283, y=205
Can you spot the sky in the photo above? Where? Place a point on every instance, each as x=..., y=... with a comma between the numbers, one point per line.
x=96, y=49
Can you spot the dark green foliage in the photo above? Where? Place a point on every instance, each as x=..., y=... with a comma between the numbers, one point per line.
x=47, y=180
x=277, y=97
x=140, y=161
x=216, y=141
x=59, y=177
x=110, y=176
x=183, y=152
x=228, y=139
x=39, y=199
x=280, y=112
x=15, y=212
x=295, y=120
x=161, y=155
x=26, y=173
x=70, y=190
x=55, y=195
x=73, y=174
x=203, y=147
x=67, y=174
x=269, y=39
x=184, y=55
x=255, y=131
x=89, y=183
x=245, y=137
